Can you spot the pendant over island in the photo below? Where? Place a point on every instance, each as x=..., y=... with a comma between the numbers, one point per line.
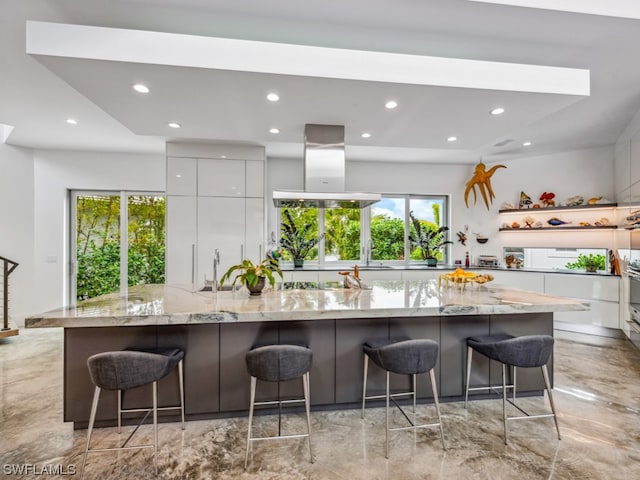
x=217, y=329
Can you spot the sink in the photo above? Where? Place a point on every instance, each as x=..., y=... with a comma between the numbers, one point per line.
x=224, y=288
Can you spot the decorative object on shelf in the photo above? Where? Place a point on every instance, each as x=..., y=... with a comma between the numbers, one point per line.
x=466, y=260
x=529, y=221
x=573, y=201
x=634, y=218
x=482, y=179
x=525, y=201
x=604, y=221
x=508, y=206
x=253, y=276
x=555, y=221
x=462, y=238
x=512, y=261
x=598, y=201
x=515, y=224
x=297, y=241
x=547, y=199
x=505, y=226
x=430, y=241
x=352, y=279
x=481, y=238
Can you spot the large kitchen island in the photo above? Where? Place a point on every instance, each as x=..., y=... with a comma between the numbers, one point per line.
x=217, y=329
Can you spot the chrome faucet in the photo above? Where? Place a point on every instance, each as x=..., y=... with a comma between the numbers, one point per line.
x=216, y=262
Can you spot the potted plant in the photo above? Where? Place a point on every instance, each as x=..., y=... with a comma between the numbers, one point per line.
x=253, y=276
x=297, y=241
x=590, y=262
x=429, y=240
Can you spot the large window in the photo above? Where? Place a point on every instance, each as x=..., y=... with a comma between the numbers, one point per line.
x=379, y=233
x=118, y=240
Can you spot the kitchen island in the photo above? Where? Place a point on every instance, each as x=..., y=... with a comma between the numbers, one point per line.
x=217, y=329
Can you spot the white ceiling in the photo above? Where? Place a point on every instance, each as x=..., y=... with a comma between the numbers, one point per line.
x=38, y=94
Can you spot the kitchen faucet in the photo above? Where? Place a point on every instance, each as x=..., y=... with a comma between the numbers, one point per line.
x=216, y=262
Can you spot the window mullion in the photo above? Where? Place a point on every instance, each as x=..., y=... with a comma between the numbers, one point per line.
x=124, y=244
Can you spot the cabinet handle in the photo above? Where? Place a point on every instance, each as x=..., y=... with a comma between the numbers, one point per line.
x=193, y=263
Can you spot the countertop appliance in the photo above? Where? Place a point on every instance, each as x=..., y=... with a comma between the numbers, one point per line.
x=487, y=261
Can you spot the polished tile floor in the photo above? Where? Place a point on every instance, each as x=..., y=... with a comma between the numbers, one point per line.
x=597, y=391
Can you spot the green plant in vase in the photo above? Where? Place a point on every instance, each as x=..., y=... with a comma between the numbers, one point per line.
x=430, y=241
x=590, y=262
x=297, y=241
x=254, y=276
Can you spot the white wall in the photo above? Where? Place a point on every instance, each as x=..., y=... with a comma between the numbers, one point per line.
x=583, y=172
x=16, y=225
x=57, y=172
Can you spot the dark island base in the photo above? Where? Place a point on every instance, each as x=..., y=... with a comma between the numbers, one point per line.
x=217, y=383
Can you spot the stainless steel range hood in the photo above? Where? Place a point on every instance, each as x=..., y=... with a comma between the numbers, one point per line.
x=324, y=172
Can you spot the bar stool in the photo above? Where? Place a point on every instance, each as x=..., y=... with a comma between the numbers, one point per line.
x=370, y=347
x=527, y=351
x=407, y=357
x=124, y=370
x=176, y=356
x=279, y=363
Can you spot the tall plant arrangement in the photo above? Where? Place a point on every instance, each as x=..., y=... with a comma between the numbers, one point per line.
x=429, y=240
x=297, y=240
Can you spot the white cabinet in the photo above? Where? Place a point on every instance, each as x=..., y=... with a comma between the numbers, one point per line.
x=255, y=179
x=254, y=248
x=182, y=174
x=181, y=239
x=221, y=226
x=531, y=281
x=221, y=178
x=602, y=292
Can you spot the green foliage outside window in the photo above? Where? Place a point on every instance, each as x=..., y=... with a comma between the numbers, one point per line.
x=98, y=243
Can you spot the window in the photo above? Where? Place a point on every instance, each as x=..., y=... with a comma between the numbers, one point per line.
x=106, y=224
x=375, y=234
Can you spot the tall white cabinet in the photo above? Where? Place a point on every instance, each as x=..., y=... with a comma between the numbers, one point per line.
x=215, y=201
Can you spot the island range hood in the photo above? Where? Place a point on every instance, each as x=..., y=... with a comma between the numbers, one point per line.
x=324, y=173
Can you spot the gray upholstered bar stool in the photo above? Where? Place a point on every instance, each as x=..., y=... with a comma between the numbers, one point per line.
x=407, y=357
x=527, y=351
x=369, y=348
x=124, y=370
x=279, y=363
x=176, y=357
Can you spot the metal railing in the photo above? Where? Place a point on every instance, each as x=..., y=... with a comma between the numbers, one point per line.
x=8, y=266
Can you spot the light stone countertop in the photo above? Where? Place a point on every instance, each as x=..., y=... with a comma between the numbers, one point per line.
x=174, y=305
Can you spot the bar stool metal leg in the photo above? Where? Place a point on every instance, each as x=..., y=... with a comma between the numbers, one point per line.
x=119, y=394
x=547, y=384
x=386, y=416
x=253, y=398
x=92, y=419
x=364, y=382
x=466, y=391
x=181, y=380
x=434, y=387
x=504, y=402
x=307, y=396
x=155, y=426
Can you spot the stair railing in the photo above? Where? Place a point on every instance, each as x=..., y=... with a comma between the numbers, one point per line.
x=8, y=266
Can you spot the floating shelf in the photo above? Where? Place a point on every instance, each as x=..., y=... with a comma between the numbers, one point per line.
x=557, y=209
x=559, y=229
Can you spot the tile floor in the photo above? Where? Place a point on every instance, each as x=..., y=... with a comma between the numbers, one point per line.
x=597, y=391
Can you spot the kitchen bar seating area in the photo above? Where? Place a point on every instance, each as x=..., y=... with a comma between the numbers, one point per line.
x=597, y=428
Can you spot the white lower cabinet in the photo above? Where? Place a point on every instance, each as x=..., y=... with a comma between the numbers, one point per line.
x=182, y=237
x=602, y=292
x=532, y=281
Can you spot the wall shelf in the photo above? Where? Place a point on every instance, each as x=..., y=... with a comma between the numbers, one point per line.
x=601, y=206
x=559, y=229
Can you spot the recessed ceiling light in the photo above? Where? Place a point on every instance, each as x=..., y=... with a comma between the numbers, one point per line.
x=497, y=111
x=174, y=125
x=273, y=97
x=366, y=135
x=391, y=104
x=72, y=121
x=140, y=88
x=178, y=175
x=526, y=144
x=452, y=139
x=274, y=130
x=223, y=156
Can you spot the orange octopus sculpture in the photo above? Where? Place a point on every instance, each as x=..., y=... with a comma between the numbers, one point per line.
x=481, y=178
